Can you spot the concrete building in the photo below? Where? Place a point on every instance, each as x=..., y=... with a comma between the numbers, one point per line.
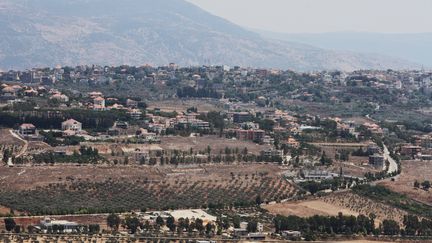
x=410, y=150
x=135, y=114
x=241, y=117
x=72, y=125
x=27, y=129
x=67, y=226
x=252, y=135
x=272, y=153
x=317, y=175
x=377, y=161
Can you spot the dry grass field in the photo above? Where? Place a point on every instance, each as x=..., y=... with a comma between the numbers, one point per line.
x=197, y=144
x=9, y=142
x=4, y=210
x=330, y=205
x=308, y=209
x=356, y=166
x=411, y=171
x=7, y=138
x=182, y=105
x=94, y=189
x=215, y=142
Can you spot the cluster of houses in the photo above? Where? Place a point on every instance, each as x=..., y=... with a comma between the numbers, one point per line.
x=69, y=128
x=413, y=152
x=199, y=76
x=241, y=116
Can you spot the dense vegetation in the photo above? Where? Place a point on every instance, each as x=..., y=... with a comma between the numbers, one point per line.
x=86, y=155
x=322, y=226
x=92, y=120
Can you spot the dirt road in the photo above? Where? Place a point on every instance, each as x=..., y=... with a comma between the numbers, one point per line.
x=24, y=148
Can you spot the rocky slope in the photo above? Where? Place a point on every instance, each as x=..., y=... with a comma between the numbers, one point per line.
x=71, y=32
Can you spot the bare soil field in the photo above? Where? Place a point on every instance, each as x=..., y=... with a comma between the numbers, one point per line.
x=330, y=205
x=9, y=142
x=352, y=169
x=308, y=209
x=6, y=138
x=411, y=171
x=355, y=166
x=331, y=149
x=37, y=146
x=4, y=210
x=96, y=189
x=183, y=105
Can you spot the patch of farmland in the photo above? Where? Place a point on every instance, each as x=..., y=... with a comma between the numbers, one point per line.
x=132, y=188
x=330, y=205
x=365, y=206
x=308, y=209
x=215, y=142
x=404, y=183
x=6, y=138
x=182, y=105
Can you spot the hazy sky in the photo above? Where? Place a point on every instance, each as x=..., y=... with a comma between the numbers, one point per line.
x=390, y=16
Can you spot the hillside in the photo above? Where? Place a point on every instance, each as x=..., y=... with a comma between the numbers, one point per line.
x=136, y=32
x=415, y=47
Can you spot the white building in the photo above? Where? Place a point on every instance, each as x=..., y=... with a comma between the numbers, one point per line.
x=99, y=103
x=72, y=125
x=67, y=226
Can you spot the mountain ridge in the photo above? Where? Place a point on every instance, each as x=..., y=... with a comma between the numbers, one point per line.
x=415, y=47
x=136, y=32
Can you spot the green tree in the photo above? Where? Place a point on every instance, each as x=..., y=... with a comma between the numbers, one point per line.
x=426, y=185
x=390, y=227
x=199, y=225
x=312, y=186
x=412, y=224
x=209, y=228
x=252, y=226
x=266, y=125
x=94, y=228
x=170, y=222
x=9, y=224
x=236, y=221
x=325, y=160
x=416, y=184
x=258, y=200
x=132, y=223
x=17, y=229
x=160, y=221
x=113, y=221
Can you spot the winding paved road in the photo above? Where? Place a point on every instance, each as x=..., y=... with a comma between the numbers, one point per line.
x=393, y=166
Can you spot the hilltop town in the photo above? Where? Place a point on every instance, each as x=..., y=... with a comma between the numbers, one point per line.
x=215, y=153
